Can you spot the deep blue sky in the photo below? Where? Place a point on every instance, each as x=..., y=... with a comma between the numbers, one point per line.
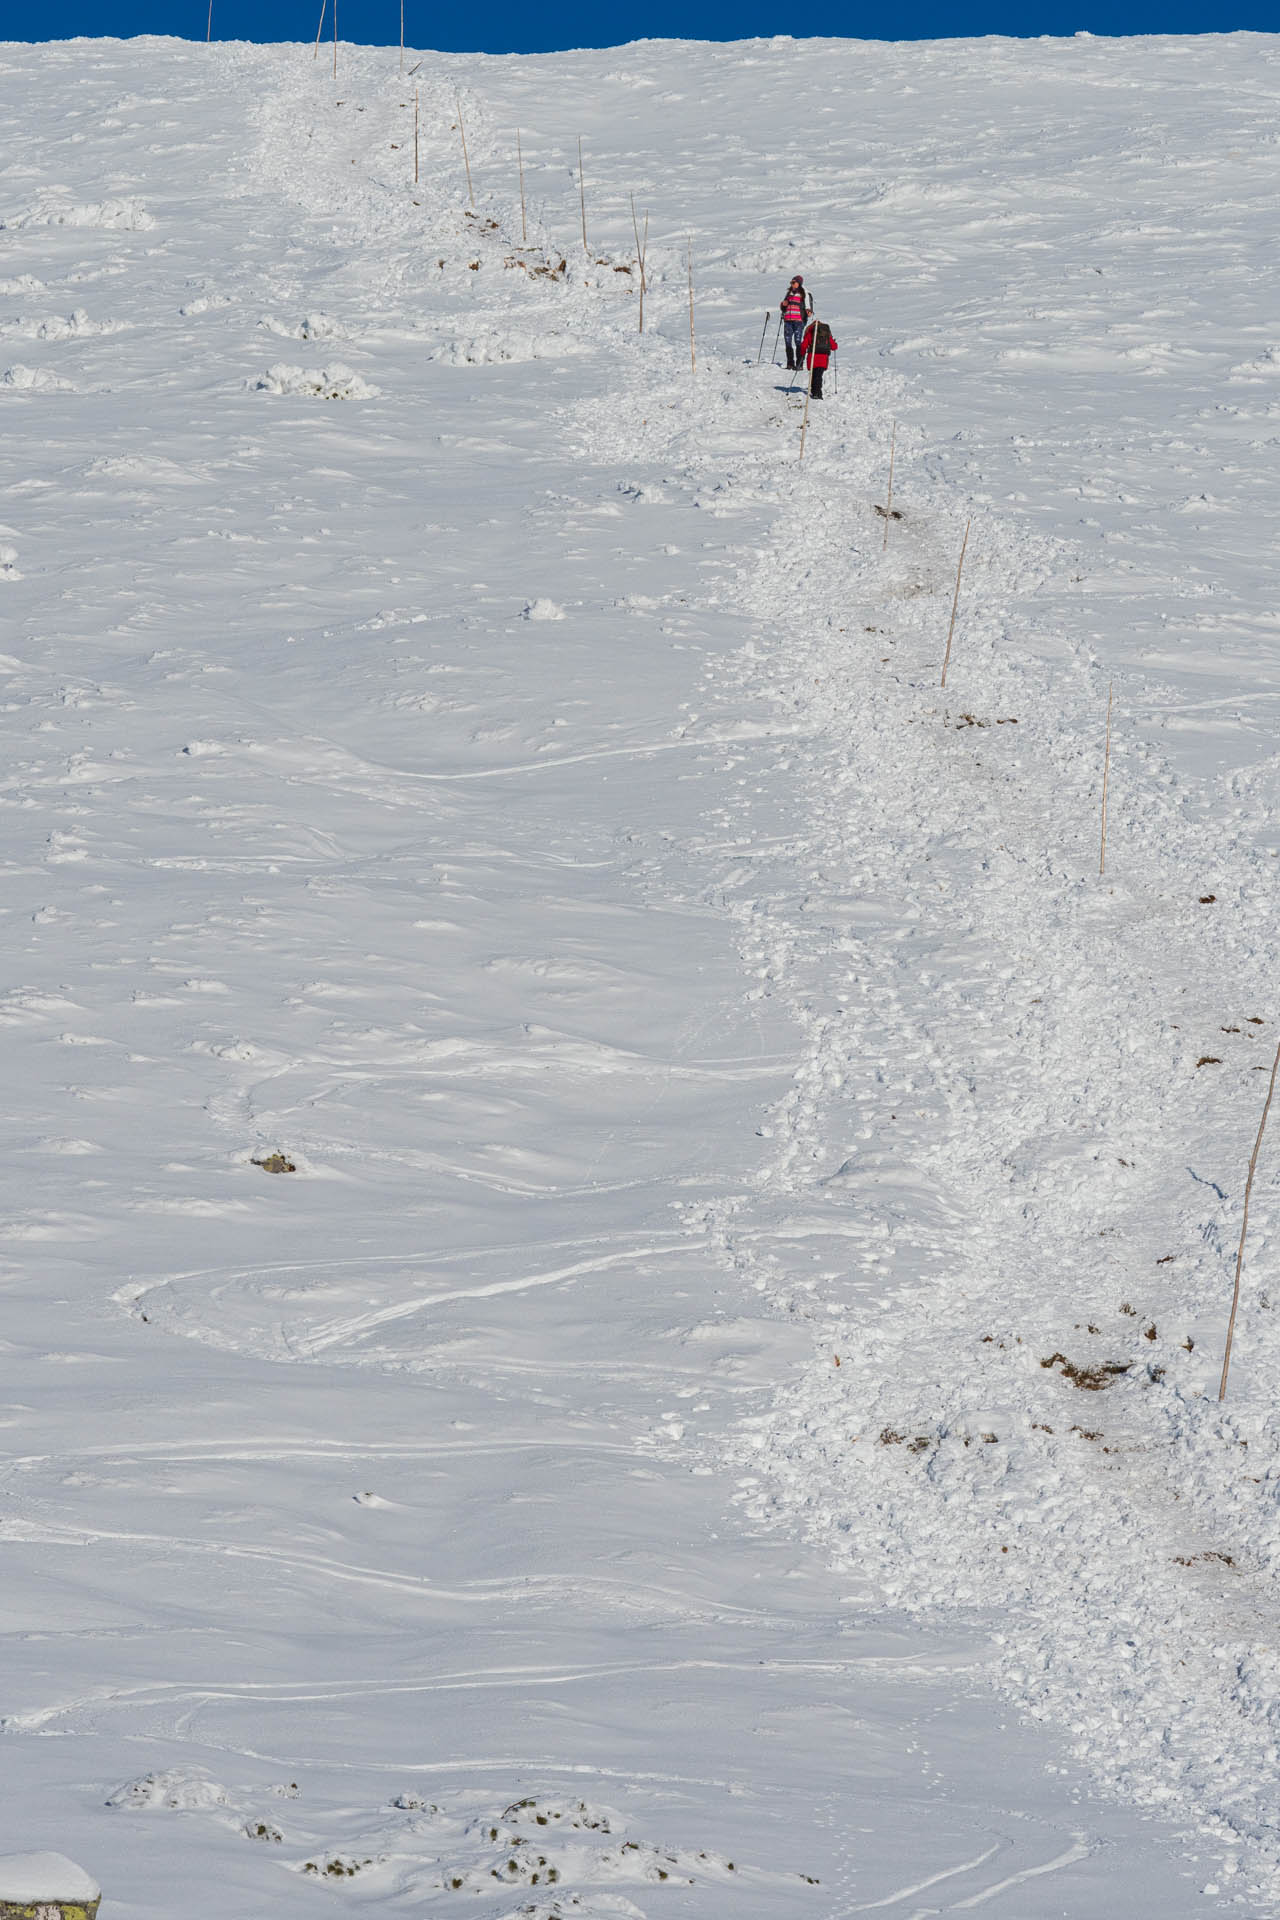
x=507, y=27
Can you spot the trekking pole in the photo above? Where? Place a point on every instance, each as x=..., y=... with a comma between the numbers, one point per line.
x=798, y=357
x=777, y=330
x=763, y=331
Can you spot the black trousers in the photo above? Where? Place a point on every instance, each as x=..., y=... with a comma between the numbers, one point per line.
x=816, y=388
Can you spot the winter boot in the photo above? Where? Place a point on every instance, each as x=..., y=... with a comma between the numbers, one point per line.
x=791, y=361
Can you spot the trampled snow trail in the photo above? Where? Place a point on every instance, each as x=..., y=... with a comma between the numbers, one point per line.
x=999, y=1139
x=418, y=683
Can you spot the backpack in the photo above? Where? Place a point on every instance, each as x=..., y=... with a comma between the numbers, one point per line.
x=822, y=337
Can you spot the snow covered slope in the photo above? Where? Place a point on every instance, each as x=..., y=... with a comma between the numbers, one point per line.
x=615, y=1249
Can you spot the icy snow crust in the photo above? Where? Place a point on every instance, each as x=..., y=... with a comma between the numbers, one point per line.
x=615, y=1248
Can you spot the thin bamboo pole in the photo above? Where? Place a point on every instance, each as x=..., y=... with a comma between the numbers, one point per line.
x=524, y=224
x=642, y=248
x=335, y=39
x=402, y=44
x=693, y=348
x=208, y=32
x=955, y=599
x=808, y=392
x=415, y=136
x=1244, y=1228
x=324, y=8
x=582, y=197
x=463, y=131
x=888, y=509
x=644, y=267
x=1106, y=779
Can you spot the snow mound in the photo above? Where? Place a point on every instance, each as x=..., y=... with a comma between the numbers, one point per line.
x=57, y=326
x=156, y=467
x=315, y=326
x=44, y=1876
x=35, y=380
x=8, y=563
x=205, y=303
x=124, y=215
x=542, y=609
x=323, y=383
x=183, y=1789
x=22, y=283
x=1264, y=365
x=495, y=348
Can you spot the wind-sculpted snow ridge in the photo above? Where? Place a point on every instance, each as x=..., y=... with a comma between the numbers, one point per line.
x=1018, y=1132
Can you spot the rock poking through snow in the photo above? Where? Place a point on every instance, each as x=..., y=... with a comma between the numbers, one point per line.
x=46, y=1886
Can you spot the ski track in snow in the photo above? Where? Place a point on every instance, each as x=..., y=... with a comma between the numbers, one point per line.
x=400, y=735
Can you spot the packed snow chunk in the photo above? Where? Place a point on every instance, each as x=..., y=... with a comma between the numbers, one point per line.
x=27, y=1878
x=542, y=609
x=125, y=215
x=325, y=383
x=22, y=283
x=35, y=380
x=8, y=563
x=183, y=1789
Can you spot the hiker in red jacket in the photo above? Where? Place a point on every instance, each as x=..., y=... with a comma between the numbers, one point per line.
x=815, y=353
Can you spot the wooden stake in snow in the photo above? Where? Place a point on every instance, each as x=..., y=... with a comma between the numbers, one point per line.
x=324, y=8
x=888, y=509
x=1244, y=1228
x=335, y=39
x=415, y=136
x=208, y=32
x=955, y=600
x=693, y=350
x=582, y=197
x=402, y=44
x=1106, y=777
x=644, y=271
x=524, y=225
x=808, y=392
x=463, y=131
x=642, y=247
